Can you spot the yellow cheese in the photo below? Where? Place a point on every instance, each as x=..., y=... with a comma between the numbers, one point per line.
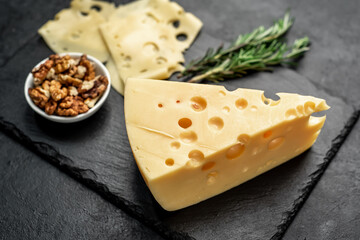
x=71, y=31
x=194, y=141
x=144, y=40
x=104, y=8
x=116, y=82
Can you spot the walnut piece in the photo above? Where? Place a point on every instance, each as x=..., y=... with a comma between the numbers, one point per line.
x=90, y=102
x=40, y=73
x=50, y=107
x=38, y=97
x=69, y=81
x=80, y=73
x=57, y=93
x=98, y=87
x=73, y=91
x=90, y=71
x=71, y=106
x=62, y=64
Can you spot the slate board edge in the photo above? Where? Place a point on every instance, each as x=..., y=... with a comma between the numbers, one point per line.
x=315, y=176
x=88, y=178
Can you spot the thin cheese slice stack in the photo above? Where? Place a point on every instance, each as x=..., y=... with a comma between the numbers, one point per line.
x=194, y=141
x=73, y=30
x=146, y=38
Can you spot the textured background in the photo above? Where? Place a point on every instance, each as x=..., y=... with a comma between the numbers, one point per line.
x=80, y=180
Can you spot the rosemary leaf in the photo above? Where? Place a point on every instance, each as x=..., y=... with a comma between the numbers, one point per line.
x=255, y=51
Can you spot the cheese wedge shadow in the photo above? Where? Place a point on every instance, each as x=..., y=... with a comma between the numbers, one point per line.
x=194, y=141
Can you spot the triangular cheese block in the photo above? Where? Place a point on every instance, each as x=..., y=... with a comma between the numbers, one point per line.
x=194, y=141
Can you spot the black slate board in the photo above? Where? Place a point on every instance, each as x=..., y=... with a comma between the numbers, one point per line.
x=71, y=211
x=97, y=151
x=335, y=198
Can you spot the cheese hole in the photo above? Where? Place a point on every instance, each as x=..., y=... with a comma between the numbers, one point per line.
x=275, y=143
x=175, y=23
x=181, y=37
x=116, y=36
x=300, y=109
x=226, y=109
x=144, y=70
x=270, y=101
x=309, y=107
x=160, y=105
x=216, y=123
x=185, y=122
x=290, y=114
x=180, y=12
x=235, y=151
x=208, y=166
x=198, y=104
x=267, y=134
x=222, y=93
x=96, y=7
x=196, y=155
x=83, y=14
x=169, y=162
x=243, y=138
x=161, y=60
x=211, y=177
x=253, y=108
x=175, y=145
x=150, y=48
x=127, y=58
x=188, y=136
x=241, y=103
x=119, y=46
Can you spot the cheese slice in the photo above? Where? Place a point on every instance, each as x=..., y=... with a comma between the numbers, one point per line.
x=104, y=8
x=194, y=141
x=74, y=31
x=146, y=38
x=116, y=81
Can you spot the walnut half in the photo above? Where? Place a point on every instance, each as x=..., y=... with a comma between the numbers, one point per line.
x=72, y=106
x=93, y=88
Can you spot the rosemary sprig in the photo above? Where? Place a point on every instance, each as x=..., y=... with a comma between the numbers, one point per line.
x=255, y=51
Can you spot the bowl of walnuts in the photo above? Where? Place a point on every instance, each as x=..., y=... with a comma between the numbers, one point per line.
x=67, y=87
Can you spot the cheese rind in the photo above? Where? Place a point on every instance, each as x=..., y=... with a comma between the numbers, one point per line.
x=194, y=141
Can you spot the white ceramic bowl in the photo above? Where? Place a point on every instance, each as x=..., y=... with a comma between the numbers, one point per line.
x=100, y=69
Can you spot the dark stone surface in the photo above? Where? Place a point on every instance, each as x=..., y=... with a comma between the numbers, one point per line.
x=37, y=201
x=96, y=151
x=332, y=210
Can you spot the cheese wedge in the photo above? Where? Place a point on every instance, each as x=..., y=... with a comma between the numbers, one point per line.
x=72, y=31
x=146, y=38
x=194, y=141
